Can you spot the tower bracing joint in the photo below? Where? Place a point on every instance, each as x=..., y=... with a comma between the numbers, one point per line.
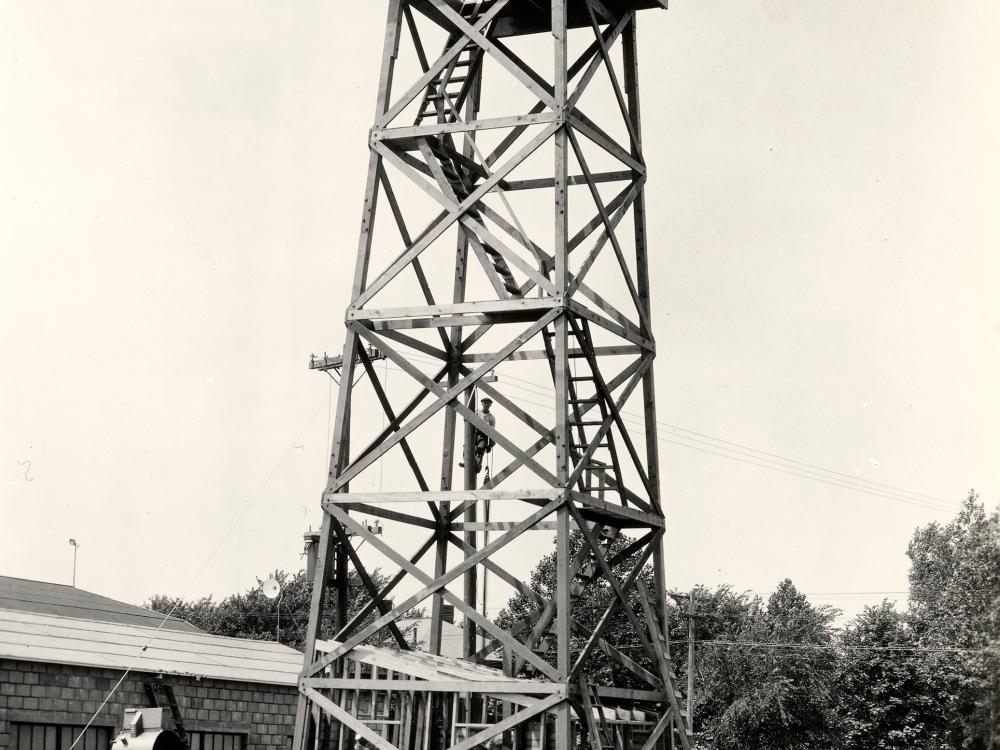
x=503, y=230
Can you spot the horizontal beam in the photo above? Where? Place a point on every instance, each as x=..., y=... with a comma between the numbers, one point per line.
x=439, y=496
x=450, y=321
x=576, y=179
x=600, y=351
x=522, y=687
x=422, y=131
x=459, y=308
x=498, y=526
x=623, y=512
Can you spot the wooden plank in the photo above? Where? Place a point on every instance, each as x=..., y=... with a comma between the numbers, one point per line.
x=598, y=555
x=480, y=738
x=462, y=126
x=394, y=424
x=387, y=408
x=516, y=583
x=392, y=515
x=657, y=731
x=650, y=520
x=359, y=727
x=439, y=583
x=626, y=333
x=404, y=235
x=350, y=498
x=450, y=321
x=425, y=80
x=480, y=307
x=613, y=407
x=617, y=215
x=613, y=205
x=450, y=218
x=492, y=48
x=431, y=586
x=348, y=627
x=594, y=133
x=540, y=183
x=540, y=444
x=500, y=687
x=449, y=397
x=620, y=350
x=444, y=399
x=416, y=344
x=607, y=39
x=359, y=568
x=623, y=265
x=450, y=203
x=663, y=660
x=497, y=526
x=613, y=77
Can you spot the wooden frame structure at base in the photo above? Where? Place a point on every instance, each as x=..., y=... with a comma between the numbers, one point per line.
x=537, y=303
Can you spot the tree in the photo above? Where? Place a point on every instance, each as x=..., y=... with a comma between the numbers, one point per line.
x=747, y=697
x=253, y=615
x=588, y=611
x=955, y=607
x=773, y=696
x=887, y=701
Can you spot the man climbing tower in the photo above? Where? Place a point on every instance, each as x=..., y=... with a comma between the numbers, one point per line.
x=484, y=443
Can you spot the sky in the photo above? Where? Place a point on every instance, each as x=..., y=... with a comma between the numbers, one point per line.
x=180, y=189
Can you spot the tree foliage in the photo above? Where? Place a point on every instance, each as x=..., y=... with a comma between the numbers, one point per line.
x=887, y=700
x=955, y=604
x=769, y=673
x=768, y=695
x=588, y=611
x=252, y=615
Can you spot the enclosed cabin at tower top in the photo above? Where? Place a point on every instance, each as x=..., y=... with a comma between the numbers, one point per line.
x=535, y=16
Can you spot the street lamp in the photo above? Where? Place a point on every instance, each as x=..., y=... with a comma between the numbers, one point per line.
x=272, y=590
x=73, y=543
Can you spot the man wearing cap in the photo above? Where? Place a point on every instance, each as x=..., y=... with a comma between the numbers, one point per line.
x=484, y=443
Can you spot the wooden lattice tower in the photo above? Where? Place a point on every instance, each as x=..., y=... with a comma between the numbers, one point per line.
x=514, y=296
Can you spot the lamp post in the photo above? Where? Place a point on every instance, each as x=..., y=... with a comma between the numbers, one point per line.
x=73, y=543
x=271, y=588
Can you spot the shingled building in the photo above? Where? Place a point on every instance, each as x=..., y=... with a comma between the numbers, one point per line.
x=63, y=651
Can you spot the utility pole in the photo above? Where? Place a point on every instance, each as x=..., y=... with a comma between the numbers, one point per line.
x=690, y=685
x=688, y=601
x=75, y=545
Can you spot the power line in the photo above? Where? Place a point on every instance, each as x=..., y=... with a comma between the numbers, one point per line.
x=201, y=570
x=764, y=460
x=544, y=390
x=822, y=646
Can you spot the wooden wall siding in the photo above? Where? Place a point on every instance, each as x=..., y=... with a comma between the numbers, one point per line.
x=516, y=295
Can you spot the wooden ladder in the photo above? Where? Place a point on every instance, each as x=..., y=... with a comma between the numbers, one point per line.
x=675, y=719
x=445, y=93
x=461, y=186
x=600, y=734
x=153, y=692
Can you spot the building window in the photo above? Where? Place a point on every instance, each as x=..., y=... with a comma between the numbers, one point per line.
x=59, y=737
x=217, y=741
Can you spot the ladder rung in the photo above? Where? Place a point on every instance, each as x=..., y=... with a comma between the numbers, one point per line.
x=583, y=401
x=587, y=423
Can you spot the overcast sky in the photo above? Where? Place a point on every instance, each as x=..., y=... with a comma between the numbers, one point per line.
x=180, y=187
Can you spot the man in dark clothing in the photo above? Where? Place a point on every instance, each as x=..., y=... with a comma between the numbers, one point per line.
x=484, y=443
